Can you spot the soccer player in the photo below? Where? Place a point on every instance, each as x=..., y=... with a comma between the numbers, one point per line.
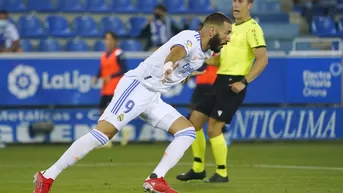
x=138, y=93
x=112, y=68
x=236, y=70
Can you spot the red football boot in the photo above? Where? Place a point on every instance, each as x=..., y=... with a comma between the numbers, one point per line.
x=43, y=185
x=157, y=185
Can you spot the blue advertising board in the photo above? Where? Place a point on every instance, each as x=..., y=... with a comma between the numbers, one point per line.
x=248, y=124
x=68, y=81
x=314, y=80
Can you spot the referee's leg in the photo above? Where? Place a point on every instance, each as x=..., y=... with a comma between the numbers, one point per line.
x=222, y=114
x=198, y=118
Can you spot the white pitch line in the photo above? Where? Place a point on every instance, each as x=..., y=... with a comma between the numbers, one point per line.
x=230, y=165
x=121, y=164
x=298, y=167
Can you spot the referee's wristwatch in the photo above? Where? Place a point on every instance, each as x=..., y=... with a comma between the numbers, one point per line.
x=244, y=81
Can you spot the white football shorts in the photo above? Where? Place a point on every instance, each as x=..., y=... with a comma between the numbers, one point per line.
x=132, y=99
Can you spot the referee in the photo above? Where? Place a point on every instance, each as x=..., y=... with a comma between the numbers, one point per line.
x=236, y=70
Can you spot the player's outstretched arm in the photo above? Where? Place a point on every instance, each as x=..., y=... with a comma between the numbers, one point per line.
x=213, y=61
x=177, y=52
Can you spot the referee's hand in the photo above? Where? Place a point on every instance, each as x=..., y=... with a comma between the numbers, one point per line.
x=237, y=86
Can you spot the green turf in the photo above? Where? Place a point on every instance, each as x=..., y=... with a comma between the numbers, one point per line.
x=122, y=170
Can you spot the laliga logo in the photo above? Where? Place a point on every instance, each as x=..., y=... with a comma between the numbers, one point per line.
x=23, y=81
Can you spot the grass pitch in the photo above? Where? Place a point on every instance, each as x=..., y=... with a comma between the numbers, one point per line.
x=253, y=168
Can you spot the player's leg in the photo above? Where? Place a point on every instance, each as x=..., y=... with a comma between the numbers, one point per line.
x=223, y=112
x=165, y=117
x=104, y=102
x=198, y=118
x=117, y=114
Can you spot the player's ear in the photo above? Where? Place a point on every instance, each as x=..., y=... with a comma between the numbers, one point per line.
x=249, y=5
x=212, y=32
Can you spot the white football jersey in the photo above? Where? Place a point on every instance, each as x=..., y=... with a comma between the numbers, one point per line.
x=150, y=71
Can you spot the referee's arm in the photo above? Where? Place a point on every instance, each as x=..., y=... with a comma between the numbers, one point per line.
x=257, y=43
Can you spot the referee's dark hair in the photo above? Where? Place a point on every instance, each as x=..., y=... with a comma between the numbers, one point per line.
x=112, y=34
x=217, y=19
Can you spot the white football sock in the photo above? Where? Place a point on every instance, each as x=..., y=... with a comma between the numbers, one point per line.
x=77, y=151
x=174, y=152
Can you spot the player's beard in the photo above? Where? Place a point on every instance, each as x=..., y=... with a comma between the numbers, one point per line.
x=215, y=43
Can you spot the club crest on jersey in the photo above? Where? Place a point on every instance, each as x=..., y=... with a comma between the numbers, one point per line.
x=120, y=117
x=189, y=44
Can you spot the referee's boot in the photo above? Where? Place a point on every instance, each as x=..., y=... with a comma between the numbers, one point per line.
x=216, y=178
x=191, y=175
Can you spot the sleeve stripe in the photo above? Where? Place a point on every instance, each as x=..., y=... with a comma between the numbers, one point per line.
x=181, y=46
x=263, y=46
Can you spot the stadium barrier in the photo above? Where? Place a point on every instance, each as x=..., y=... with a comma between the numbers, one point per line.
x=297, y=78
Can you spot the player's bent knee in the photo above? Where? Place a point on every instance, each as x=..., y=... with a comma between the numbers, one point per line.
x=107, y=128
x=187, y=132
x=180, y=124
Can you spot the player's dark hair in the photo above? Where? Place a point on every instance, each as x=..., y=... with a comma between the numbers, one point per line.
x=161, y=7
x=217, y=19
x=112, y=34
x=251, y=1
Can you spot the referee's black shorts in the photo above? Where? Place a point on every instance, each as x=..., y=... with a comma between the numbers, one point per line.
x=105, y=101
x=222, y=103
x=199, y=92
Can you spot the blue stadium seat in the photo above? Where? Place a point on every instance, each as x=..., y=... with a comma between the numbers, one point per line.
x=193, y=23
x=58, y=26
x=3, y=5
x=77, y=45
x=31, y=27
x=176, y=6
x=26, y=46
x=43, y=6
x=131, y=45
x=272, y=17
x=99, y=46
x=279, y=45
x=201, y=6
x=86, y=26
x=124, y=6
x=146, y=6
x=136, y=24
x=224, y=6
x=113, y=24
x=49, y=45
x=98, y=6
x=269, y=6
x=16, y=6
x=323, y=26
x=70, y=6
x=280, y=31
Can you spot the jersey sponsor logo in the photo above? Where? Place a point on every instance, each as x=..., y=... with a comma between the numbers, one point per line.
x=23, y=81
x=186, y=70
